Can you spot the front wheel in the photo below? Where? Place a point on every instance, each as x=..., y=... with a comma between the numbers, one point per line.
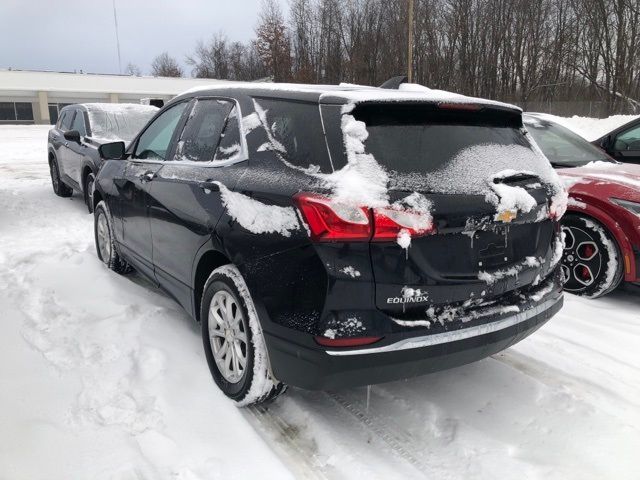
x=591, y=262
x=105, y=242
x=233, y=340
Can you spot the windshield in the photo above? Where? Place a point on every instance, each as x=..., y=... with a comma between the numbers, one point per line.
x=118, y=121
x=561, y=146
x=453, y=151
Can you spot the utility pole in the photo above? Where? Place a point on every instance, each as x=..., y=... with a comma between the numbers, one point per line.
x=410, y=44
x=115, y=21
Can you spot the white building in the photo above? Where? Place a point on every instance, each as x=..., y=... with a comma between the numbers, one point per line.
x=36, y=97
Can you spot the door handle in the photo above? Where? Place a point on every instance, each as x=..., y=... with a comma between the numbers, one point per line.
x=209, y=186
x=147, y=176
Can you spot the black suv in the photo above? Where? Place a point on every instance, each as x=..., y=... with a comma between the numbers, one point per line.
x=335, y=236
x=74, y=140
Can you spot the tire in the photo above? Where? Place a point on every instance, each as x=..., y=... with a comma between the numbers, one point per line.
x=88, y=191
x=246, y=378
x=591, y=263
x=105, y=242
x=59, y=188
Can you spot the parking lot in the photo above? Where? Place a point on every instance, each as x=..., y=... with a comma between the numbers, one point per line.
x=109, y=374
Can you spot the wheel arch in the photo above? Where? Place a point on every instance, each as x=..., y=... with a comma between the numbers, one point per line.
x=207, y=260
x=86, y=170
x=97, y=198
x=614, y=229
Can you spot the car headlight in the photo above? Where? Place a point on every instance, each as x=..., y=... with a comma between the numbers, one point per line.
x=633, y=207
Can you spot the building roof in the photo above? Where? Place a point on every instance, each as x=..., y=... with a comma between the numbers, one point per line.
x=26, y=80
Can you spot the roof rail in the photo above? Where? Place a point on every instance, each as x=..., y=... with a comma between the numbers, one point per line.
x=394, y=82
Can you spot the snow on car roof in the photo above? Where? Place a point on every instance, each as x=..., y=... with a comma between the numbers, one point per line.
x=118, y=121
x=119, y=107
x=353, y=94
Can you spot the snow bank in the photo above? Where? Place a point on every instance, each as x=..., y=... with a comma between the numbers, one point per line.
x=589, y=128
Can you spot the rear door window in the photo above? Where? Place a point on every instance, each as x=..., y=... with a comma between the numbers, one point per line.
x=230, y=145
x=296, y=133
x=201, y=135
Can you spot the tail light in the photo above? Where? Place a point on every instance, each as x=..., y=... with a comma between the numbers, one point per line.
x=329, y=221
x=346, y=342
x=389, y=222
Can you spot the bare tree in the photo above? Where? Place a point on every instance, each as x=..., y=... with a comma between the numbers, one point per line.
x=165, y=66
x=133, y=70
x=537, y=53
x=222, y=59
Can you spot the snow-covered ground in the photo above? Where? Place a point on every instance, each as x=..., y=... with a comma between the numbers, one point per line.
x=103, y=377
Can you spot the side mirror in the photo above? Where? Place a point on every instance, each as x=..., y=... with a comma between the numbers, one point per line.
x=72, y=136
x=607, y=143
x=111, y=151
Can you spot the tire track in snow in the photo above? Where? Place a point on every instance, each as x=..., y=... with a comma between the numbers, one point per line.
x=399, y=442
x=282, y=435
x=279, y=434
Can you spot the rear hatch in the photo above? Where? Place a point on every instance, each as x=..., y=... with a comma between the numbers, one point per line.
x=489, y=196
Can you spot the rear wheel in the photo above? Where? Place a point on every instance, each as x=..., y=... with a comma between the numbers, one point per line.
x=233, y=340
x=88, y=191
x=591, y=262
x=105, y=242
x=59, y=188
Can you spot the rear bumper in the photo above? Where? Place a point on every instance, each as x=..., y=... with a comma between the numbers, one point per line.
x=298, y=361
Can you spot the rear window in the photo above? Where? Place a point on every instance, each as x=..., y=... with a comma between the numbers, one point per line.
x=297, y=130
x=427, y=148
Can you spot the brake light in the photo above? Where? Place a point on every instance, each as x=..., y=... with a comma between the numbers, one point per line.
x=389, y=222
x=460, y=106
x=331, y=221
x=346, y=342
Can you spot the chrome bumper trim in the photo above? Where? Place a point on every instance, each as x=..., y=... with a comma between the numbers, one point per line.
x=454, y=336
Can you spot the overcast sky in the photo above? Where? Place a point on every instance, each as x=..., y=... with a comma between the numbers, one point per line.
x=78, y=35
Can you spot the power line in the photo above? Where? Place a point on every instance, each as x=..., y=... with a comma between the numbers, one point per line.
x=115, y=21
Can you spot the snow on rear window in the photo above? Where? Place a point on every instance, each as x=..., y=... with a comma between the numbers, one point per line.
x=118, y=121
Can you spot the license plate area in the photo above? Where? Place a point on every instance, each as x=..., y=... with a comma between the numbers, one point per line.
x=492, y=248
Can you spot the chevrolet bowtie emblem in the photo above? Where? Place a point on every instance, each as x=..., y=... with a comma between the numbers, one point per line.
x=507, y=216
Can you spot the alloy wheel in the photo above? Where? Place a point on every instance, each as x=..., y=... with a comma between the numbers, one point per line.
x=228, y=336
x=581, y=260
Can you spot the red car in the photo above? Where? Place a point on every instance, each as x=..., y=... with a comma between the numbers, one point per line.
x=602, y=223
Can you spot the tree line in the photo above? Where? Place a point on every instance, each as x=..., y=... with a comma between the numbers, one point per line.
x=524, y=51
